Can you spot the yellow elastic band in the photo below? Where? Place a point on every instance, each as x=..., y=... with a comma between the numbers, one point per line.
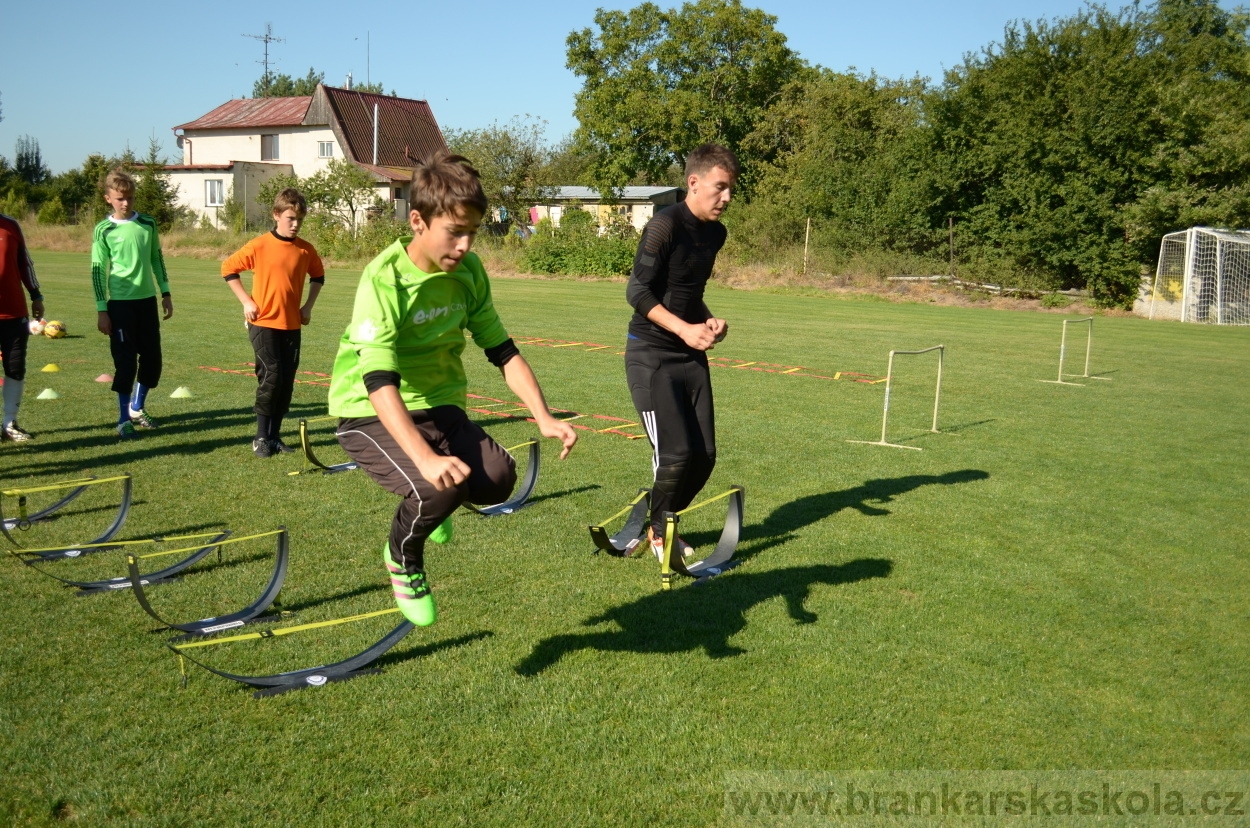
x=699, y=505
x=320, y=419
x=110, y=544
x=68, y=484
x=287, y=630
x=219, y=543
x=631, y=505
x=523, y=445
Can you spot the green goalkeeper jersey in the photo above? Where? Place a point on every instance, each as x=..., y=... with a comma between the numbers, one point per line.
x=126, y=260
x=410, y=322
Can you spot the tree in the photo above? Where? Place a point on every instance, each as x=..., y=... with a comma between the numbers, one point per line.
x=512, y=161
x=340, y=192
x=28, y=162
x=155, y=194
x=281, y=85
x=79, y=189
x=848, y=152
x=659, y=83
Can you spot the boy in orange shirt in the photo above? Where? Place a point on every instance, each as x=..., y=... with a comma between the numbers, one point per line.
x=279, y=261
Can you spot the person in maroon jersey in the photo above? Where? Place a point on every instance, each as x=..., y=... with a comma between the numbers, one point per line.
x=16, y=270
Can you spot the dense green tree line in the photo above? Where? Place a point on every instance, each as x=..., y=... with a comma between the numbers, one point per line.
x=1061, y=154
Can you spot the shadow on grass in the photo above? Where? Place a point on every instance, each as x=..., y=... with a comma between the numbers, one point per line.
x=552, y=495
x=393, y=657
x=351, y=593
x=958, y=427
x=185, y=421
x=783, y=524
x=703, y=617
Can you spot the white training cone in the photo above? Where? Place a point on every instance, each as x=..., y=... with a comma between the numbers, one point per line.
x=181, y=393
x=104, y=378
x=48, y=394
x=51, y=368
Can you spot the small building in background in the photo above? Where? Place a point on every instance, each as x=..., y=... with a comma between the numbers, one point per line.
x=636, y=204
x=233, y=149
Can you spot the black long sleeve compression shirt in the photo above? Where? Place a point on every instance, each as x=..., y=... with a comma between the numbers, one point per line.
x=671, y=268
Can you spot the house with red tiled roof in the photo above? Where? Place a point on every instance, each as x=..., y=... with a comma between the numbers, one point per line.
x=233, y=149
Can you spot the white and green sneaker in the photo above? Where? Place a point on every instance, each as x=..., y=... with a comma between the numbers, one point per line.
x=412, y=592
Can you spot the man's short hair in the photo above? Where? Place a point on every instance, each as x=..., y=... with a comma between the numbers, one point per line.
x=290, y=199
x=445, y=185
x=702, y=160
x=120, y=181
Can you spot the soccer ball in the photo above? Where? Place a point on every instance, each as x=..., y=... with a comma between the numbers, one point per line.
x=54, y=330
x=37, y=326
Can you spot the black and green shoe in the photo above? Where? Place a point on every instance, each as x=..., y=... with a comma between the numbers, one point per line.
x=412, y=592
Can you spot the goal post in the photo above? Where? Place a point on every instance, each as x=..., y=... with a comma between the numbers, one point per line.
x=1203, y=276
x=889, y=380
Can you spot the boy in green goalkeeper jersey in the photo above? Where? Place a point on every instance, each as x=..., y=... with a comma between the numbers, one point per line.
x=127, y=269
x=399, y=385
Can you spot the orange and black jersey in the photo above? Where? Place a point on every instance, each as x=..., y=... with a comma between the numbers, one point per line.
x=279, y=266
x=671, y=268
x=16, y=270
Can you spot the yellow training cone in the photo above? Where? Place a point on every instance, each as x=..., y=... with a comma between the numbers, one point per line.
x=51, y=368
x=181, y=393
x=48, y=394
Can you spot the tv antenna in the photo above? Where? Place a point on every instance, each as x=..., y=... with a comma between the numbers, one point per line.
x=267, y=38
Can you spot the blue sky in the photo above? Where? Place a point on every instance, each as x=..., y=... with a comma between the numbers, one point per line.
x=96, y=77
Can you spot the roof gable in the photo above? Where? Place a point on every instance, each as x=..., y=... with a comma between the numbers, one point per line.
x=406, y=127
x=246, y=113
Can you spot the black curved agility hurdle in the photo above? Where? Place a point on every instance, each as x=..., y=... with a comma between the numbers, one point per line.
x=311, y=463
x=249, y=614
x=344, y=670
x=523, y=491
x=625, y=541
x=26, y=519
x=197, y=554
x=721, y=559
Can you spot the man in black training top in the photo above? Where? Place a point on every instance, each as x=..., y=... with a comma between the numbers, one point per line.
x=671, y=332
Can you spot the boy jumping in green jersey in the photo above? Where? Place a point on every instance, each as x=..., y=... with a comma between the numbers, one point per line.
x=126, y=270
x=399, y=386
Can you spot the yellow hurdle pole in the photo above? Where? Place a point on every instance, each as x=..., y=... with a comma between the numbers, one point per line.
x=937, y=395
x=666, y=566
x=1063, y=347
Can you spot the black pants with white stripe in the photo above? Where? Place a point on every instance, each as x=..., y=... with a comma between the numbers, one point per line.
x=672, y=391
x=492, y=473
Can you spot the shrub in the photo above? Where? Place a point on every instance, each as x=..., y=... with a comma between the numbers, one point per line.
x=576, y=248
x=53, y=212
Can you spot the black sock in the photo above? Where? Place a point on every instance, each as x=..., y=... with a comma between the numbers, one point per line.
x=275, y=427
x=262, y=426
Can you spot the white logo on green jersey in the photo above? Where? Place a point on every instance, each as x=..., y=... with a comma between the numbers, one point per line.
x=422, y=316
x=366, y=331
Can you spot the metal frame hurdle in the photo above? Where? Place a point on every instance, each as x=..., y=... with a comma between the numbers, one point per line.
x=1063, y=346
x=889, y=379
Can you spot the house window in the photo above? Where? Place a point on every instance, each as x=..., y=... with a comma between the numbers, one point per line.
x=269, y=148
x=399, y=193
x=214, y=193
x=325, y=149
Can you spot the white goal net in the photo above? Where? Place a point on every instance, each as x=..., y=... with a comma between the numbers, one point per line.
x=1203, y=276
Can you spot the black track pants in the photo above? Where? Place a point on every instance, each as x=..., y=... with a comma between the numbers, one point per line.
x=450, y=433
x=13, y=336
x=672, y=392
x=277, y=360
x=136, y=337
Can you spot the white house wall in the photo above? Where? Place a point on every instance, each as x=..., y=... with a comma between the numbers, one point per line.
x=297, y=146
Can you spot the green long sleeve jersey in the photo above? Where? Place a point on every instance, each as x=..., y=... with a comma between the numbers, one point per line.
x=126, y=260
x=410, y=322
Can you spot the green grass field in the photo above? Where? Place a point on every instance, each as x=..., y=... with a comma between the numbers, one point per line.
x=1056, y=581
